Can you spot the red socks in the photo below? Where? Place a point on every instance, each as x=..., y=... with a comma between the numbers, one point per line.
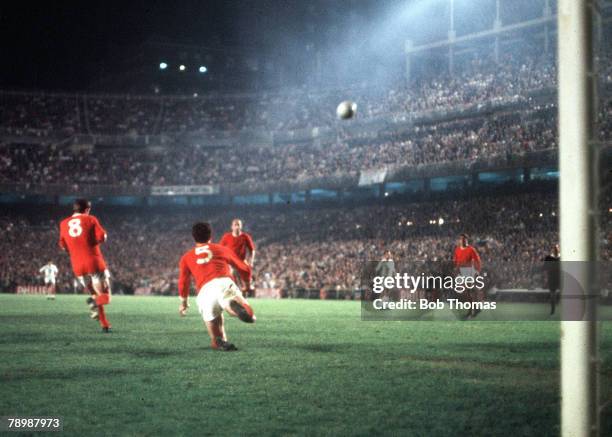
x=102, y=316
x=101, y=300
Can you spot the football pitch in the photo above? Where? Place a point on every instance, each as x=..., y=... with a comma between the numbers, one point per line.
x=306, y=367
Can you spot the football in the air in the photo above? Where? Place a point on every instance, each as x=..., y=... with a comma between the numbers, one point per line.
x=346, y=110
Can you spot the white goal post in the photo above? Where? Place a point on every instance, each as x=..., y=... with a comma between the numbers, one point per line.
x=578, y=186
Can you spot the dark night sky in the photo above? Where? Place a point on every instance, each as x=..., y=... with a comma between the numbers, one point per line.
x=62, y=44
x=58, y=44
x=51, y=44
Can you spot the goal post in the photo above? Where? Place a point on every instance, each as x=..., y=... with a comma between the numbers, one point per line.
x=578, y=182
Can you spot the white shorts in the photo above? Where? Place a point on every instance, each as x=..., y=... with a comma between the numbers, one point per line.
x=93, y=279
x=214, y=296
x=468, y=272
x=49, y=281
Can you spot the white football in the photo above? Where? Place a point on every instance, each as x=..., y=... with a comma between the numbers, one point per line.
x=346, y=110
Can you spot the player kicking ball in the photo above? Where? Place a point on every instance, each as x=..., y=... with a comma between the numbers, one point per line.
x=209, y=265
x=81, y=235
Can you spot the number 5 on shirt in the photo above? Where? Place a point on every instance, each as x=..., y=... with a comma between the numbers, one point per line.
x=203, y=250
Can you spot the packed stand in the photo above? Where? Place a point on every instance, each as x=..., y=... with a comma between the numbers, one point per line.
x=504, y=136
x=477, y=80
x=304, y=248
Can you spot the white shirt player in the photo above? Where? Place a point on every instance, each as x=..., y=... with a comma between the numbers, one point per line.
x=50, y=271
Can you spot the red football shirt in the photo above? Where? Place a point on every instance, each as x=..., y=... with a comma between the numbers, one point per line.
x=239, y=244
x=81, y=236
x=206, y=262
x=467, y=257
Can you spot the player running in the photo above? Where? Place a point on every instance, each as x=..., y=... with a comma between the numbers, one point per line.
x=209, y=264
x=81, y=235
x=50, y=272
x=467, y=261
x=242, y=245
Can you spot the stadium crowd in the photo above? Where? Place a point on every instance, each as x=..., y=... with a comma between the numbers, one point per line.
x=476, y=81
x=505, y=136
x=315, y=247
x=318, y=247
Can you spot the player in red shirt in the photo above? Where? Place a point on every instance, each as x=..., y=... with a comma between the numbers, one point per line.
x=242, y=245
x=81, y=235
x=466, y=256
x=467, y=262
x=209, y=265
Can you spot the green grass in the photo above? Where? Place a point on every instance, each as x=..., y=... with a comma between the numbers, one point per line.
x=306, y=367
